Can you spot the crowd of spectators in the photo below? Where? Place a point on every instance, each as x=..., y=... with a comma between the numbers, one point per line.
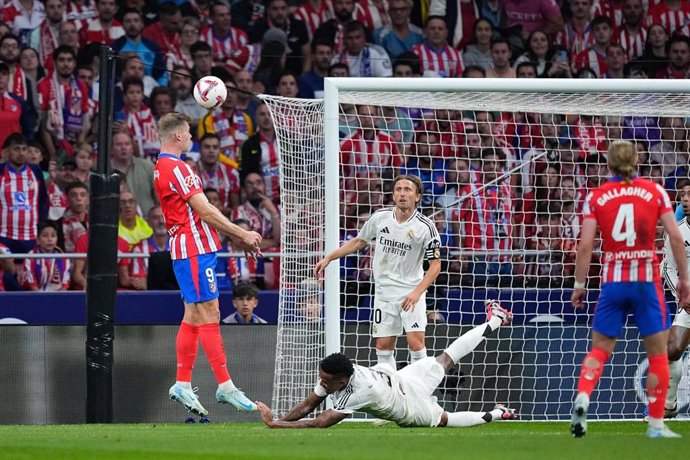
x=48, y=132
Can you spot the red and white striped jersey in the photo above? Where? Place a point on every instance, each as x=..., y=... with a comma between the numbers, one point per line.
x=575, y=40
x=446, y=63
x=685, y=30
x=80, y=14
x=606, y=8
x=314, y=17
x=57, y=201
x=51, y=274
x=485, y=217
x=270, y=166
x=175, y=183
x=633, y=44
x=22, y=201
x=670, y=20
x=590, y=137
x=373, y=15
x=360, y=157
x=593, y=59
x=627, y=215
x=259, y=219
x=226, y=49
x=94, y=32
x=73, y=227
x=222, y=178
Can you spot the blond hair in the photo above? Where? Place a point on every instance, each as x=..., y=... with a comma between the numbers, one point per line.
x=622, y=158
x=170, y=123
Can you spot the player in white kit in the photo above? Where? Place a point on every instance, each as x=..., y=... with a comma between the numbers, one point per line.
x=404, y=397
x=403, y=239
x=679, y=336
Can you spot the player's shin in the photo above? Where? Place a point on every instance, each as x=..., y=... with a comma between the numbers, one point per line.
x=590, y=372
x=467, y=342
x=675, y=374
x=657, y=387
x=212, y=342
x=417, y=355
x=386, y=357
x=187, y=345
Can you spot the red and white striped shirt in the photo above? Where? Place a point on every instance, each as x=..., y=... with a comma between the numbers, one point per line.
x=314, y=17
x=575, y=40
x=593, y=59
x=627, y=215
x=606, y=8
x=670, y=20
x=95, y=32
x=259, y=219
x=222, y=178
x=175, y=183
x=360, y=157
x=270, y=166
x=225, y=49
x=633, y=44
x=373, y=15
x=22, y=193
x=590, y=137
x=446, y=63
x=57, y=201
x=80, y=14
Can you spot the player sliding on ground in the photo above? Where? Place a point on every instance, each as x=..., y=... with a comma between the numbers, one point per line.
x=679, y=337
x=627, y=210
x=404, y=238
x=192, y=223
x=404, y=397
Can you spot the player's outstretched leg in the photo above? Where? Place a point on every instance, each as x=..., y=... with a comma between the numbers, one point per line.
x=465, y=419
x=496, y=316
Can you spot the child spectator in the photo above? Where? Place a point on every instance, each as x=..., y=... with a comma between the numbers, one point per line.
x=245, y=299
x=51, y=274
x=83, y=157
x=139, y=118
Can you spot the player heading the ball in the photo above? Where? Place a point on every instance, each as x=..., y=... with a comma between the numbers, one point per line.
x=627, y=210
x=404, y=397
x=193, y=223
x=404, y=238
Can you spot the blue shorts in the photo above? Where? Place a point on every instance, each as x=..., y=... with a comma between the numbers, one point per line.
x=643, y=299
x=197, y=278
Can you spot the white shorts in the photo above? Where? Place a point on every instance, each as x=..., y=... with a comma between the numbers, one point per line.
x=389, y=319
x=682, y=319
x=419, y=381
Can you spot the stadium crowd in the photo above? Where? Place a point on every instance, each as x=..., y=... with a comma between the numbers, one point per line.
x=48, y=131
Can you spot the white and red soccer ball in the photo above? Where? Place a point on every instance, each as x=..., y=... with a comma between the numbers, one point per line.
x=210, y=92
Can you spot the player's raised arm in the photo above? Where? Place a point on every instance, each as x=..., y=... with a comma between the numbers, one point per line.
x=248, y=241
x=347, y=248
x=678, y=250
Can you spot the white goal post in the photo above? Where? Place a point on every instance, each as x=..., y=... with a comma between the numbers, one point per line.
x=534, y=364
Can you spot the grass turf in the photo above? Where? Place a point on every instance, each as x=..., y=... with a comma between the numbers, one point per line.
x=517, y=440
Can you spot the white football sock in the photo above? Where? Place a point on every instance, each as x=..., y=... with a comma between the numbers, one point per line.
x=676, y=372
x=387, y=357
x=465, y=419
x=185, y=385
x=417, y=355
x=227, y=386
x=467, y=342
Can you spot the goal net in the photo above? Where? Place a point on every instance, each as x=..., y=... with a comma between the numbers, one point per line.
x=506, y=165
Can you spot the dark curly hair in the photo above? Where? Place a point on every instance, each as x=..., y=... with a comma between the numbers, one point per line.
x=337, y=365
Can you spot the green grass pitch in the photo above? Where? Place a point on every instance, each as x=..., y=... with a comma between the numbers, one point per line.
x=350, y=441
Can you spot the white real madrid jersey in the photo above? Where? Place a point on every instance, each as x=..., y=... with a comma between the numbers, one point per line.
x=400, y=250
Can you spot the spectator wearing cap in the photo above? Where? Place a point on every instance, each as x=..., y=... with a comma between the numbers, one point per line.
x=57, y=195
x=23, y=198
x=63, y=103
x=15, y=115
x=138, y=171
x=104, y=28
x=332, y=30
x=133, y=42
x=363, y=59
x=399, y=35
x=227, y=42
x=279, y=25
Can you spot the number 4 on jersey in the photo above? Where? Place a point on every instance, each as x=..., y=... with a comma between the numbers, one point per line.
x=624, y=226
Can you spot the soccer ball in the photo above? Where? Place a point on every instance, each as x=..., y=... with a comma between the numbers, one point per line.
x=210, y=92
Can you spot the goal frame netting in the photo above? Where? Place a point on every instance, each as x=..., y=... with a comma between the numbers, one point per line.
x=600, y=97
